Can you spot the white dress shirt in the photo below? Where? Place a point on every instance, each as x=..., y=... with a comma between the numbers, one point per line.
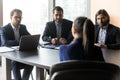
x=16, y=32
x=102, y=35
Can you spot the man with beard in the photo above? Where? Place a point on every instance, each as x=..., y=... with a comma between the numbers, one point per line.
x=108, y=35
x=58, y=31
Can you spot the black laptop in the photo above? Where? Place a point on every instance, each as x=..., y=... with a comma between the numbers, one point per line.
x=29, y=42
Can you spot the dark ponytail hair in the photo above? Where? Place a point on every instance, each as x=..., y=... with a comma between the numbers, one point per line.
x=86, y=31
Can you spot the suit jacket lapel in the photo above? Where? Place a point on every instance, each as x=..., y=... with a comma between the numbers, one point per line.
x=11, y=31
x=97, y=32
x=108, y=33
x=54, y=28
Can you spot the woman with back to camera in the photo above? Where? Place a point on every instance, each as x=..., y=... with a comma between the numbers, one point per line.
x=82, y=47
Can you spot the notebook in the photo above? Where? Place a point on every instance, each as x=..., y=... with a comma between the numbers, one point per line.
x=29, y=42
x=50, y=46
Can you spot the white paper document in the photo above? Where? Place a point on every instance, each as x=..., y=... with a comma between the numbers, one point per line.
x=6, y=49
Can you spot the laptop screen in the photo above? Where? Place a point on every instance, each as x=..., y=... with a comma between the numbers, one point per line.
x=29, y=42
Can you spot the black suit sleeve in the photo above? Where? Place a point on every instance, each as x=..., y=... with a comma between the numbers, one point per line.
x=49, y=32
x=46, y=34
x=115, y=40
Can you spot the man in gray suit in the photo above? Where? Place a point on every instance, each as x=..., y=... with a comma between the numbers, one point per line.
x=10, y=36
x=58, y=31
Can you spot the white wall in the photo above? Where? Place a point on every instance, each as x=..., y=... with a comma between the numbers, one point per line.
x=112, y=7
x=35, y=13
x=1, y=15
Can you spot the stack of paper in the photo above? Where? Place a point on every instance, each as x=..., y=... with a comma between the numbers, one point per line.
x=6, y=49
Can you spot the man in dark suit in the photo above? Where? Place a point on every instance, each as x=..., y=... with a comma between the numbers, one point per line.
x=11, y=34
x=58, y=31
x=108, y=35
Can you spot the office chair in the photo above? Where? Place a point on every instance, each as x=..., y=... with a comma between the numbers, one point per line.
x=84, y=70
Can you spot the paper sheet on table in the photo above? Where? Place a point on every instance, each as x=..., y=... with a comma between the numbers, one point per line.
x=6, y=49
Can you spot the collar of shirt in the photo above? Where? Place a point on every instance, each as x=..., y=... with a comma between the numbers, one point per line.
x=104, y=27
x=14, y=26
x=56, y=23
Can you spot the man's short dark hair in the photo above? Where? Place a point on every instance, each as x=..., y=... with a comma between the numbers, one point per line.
x=58, y=8
x=15, y=10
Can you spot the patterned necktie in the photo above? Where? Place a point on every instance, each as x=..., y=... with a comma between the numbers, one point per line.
x=16, y=33
x=58, y=30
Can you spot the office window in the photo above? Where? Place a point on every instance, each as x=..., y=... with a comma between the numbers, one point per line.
x=73, y=8
x=35, y=13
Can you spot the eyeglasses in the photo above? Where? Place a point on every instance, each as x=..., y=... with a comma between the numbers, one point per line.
x=16, y=17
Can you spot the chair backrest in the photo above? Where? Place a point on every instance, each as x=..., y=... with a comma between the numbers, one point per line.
x=84, y=70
